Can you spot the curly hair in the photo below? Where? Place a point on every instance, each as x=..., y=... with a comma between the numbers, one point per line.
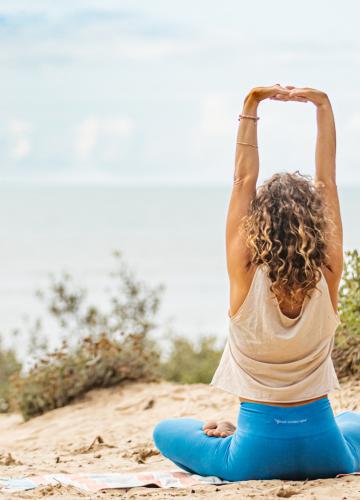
x=286, y=229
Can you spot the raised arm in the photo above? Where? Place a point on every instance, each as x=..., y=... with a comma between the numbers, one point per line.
x=243, y=189
x=325, y=176
x=325, y=155
x=244, y=186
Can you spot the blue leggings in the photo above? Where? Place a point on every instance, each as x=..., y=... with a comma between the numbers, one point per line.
x=270, y=442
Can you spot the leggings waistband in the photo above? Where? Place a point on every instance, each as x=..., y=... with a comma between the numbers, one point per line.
x=304, y=409
x=301, y=420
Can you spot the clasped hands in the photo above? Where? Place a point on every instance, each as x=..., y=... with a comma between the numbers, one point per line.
x=288, y=93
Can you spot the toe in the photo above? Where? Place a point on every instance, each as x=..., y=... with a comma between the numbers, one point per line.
x=225, y=434
x=211, y=433
x=210, y=425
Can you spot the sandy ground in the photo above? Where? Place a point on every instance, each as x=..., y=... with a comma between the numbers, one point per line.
x=61, y=441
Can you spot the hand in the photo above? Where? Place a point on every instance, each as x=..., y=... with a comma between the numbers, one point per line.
x=305, y=94
x=218, y=429
x=260, y=93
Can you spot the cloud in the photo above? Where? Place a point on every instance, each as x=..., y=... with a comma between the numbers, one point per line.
x=353, y=124
x=87, y=137
x=86, y=33
x=211, y=139
x=101, y=137
x=20, y=144
x=215, y=117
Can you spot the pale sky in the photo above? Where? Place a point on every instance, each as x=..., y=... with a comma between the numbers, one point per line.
x=150, y=91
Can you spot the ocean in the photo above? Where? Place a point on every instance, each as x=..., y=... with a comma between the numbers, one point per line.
x=169, y=235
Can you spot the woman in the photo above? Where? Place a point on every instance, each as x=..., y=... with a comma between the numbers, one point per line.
x=284, y=261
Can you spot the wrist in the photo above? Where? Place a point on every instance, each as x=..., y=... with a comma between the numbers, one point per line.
x=251, y=103
x=323, y=101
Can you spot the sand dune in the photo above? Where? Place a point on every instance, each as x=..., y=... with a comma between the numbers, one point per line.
x=110, y=430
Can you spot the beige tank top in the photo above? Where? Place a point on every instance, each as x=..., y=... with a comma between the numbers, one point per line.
x=271, y=357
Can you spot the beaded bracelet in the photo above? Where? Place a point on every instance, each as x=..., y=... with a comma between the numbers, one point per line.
x=256, y=118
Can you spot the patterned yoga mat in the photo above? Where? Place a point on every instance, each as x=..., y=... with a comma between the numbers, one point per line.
x=94, y=482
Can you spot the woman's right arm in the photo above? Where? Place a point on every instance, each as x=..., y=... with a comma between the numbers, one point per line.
x=325, y=179
x=325, y=154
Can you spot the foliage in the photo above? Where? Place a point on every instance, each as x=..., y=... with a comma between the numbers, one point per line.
x=68, y=373
x=188, y=363
x=9, y=366
x=349, y=295
x=101, y=347
x=346, y=354
x=132, y=305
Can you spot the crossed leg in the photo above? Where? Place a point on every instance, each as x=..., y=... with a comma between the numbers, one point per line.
x=185, y=443
x=349, y=424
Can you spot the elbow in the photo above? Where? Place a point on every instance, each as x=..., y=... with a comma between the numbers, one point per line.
x=326, y=183
x=244, y=180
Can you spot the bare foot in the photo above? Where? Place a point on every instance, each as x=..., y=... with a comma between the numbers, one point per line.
x=219, y=429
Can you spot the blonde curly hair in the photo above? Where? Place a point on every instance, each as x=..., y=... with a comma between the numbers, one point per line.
x=287, y=226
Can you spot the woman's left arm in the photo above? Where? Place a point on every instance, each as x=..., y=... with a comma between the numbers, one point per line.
x=243, y=191
x=245, y=177
x=244, y=185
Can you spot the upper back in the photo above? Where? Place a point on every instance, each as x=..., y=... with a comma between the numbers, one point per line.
x=274, y=335
x=271, y=357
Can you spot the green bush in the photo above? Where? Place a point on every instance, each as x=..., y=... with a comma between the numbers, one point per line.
x=346, y=354
x=190, y=364
x=349, y=295
x=9, y=366
x=101, y=347
x=65, y=374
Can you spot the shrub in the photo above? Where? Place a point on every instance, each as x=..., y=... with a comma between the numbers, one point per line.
x=9, y=366
x=58, y=378
x=132, y=305
x=100, y=347
x=346, y=354
x=188, y=363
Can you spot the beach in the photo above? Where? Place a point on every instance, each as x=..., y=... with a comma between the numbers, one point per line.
x=66, y=440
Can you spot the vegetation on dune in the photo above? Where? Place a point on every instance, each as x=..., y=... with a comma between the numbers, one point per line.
x=65, y=374
x=346, y=354
x=106, y=346
x=191, y=363
x=100, y=347
x=9, y=366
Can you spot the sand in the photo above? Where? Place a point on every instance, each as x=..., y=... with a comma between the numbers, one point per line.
x=65, y=440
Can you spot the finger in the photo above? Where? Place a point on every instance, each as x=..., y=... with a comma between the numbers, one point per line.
x=298, y=98
x=283, y=91
x=281, y=97
x=290, y=87
x=210, y=425
x=297, y=93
